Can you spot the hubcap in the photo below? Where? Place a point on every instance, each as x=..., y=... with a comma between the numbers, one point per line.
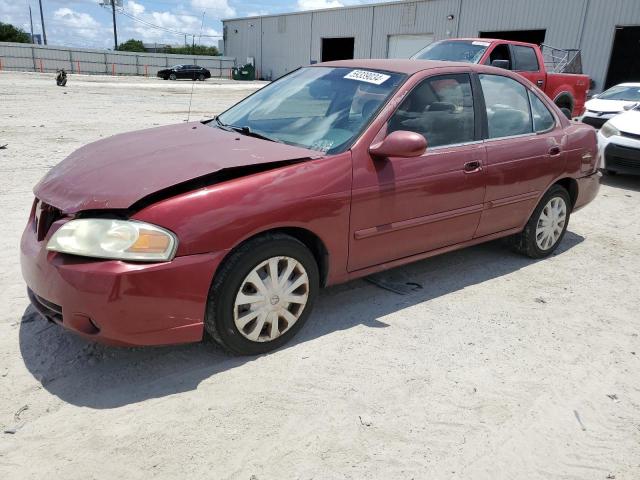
x=271, y=299
x=551, y=223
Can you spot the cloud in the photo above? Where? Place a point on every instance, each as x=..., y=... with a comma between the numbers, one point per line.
x=134, y=8
x=318, y=4
x=179, y=22
x=217, y=8
x=74, y=19
x=83, y=24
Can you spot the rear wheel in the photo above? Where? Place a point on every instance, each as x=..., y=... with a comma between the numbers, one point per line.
x=546, y=227
x=262, y=295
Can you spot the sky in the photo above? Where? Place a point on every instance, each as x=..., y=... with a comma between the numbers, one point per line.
x=84, y=23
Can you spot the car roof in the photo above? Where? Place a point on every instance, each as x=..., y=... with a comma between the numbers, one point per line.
x=397, y=65
x=411, y=66
x=628, y=84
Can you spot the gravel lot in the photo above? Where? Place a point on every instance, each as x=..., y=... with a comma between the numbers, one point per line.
x=498, y=367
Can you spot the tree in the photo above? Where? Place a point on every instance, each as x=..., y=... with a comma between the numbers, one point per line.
x=132, y=45
x=194, y=50
x=9, y=33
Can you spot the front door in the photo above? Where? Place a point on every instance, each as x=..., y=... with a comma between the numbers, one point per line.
x=406, y=206
x=524, y=152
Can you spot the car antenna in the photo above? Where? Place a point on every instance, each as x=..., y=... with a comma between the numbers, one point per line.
x=193, y=84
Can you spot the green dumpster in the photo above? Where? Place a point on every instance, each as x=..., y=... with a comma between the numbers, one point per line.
x=245, y=72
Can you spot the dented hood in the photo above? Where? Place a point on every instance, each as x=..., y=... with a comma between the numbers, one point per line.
x=119, y=171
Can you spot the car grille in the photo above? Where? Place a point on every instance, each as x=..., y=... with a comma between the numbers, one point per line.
x=48, y=309
x=622, y=159
x=594, y=122
x=630, y=135
x=43, y=217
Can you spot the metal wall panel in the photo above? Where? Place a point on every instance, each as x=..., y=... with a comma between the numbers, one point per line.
x=244, y=40
x=430, y=18
x=356, y=23
x=286, y=45
x=599, y=31
x=561, y=19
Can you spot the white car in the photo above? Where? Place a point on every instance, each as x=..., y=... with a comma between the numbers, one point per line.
x=608, y=104
x=619, y=143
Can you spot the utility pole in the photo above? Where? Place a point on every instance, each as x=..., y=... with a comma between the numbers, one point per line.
x=31, y=23
x=115, y=31
x=44, y=33
x=193, y=45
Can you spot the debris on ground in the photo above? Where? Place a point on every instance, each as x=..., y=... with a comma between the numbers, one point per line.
x=364, y=420
x=16, y=416
x=394, y=282
x=575, y=412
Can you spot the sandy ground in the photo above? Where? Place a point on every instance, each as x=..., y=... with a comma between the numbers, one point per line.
x=499, y=367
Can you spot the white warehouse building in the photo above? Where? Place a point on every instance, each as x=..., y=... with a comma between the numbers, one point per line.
x=606, y=31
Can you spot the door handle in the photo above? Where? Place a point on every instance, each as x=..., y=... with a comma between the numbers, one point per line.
x=540, y=82
x=472, y=166
x=554, y=151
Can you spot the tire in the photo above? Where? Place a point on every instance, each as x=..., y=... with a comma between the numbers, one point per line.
x=224, y=306
x=530, y=242
x=201, y=77
x=610, y=172
x=172, y=76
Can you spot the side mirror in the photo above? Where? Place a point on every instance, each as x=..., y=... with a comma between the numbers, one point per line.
x=500, y=64
x=400, y=143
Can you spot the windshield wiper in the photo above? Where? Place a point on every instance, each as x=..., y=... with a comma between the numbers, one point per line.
x=223, y=126
x=245, y=130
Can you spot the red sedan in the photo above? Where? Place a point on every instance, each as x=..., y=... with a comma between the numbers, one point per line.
x=231, y=226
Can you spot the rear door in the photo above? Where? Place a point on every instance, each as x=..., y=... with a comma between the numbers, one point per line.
x=524, y=148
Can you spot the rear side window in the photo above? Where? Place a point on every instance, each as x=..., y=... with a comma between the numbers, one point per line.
x=542, y=118
x=507, y=103
x=440, y=108
x=526, y=59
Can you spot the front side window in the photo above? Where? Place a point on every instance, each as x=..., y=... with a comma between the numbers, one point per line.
x=500, y=52
x=320, y=108
x=526, y=59
x=542, y=118
x=507, y=103
x=440, y=108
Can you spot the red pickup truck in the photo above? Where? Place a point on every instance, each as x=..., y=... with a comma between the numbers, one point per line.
x=567, y=90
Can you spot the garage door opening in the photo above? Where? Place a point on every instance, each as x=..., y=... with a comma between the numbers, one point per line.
x=337, y=49
x=624, y=65
x=405, y=46
x=529, y=36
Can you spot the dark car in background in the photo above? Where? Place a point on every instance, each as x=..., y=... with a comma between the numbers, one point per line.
x=192, y=72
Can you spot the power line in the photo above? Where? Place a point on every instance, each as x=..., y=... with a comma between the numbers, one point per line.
x=122, y=11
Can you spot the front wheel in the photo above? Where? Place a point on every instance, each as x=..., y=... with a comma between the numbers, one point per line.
x=172, y=76
x=262, y=295
x=201, y=77
x=546, y=226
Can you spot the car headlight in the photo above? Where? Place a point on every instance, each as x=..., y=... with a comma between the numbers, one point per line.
x=607, y=130
x=114, y=239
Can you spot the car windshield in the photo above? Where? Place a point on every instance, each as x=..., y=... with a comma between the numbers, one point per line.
x=622, y=92
x=319, y=108
x=454, y=50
